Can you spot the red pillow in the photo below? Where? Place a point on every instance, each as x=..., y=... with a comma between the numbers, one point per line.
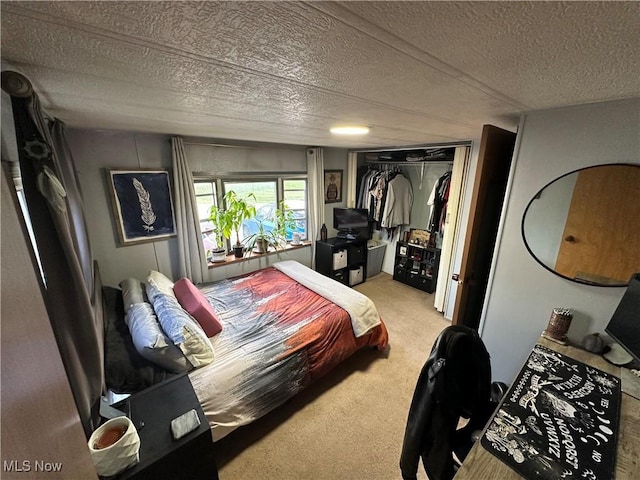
x=194, y=302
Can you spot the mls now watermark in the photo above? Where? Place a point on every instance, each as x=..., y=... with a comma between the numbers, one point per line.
x=31, y=466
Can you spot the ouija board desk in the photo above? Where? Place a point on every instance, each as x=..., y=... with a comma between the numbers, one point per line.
x=564, y=417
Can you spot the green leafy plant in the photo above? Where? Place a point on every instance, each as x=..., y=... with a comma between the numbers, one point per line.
x=284, y=221
x=276, y=238
x=238, y=209
x=259, y=241
x=221, y=221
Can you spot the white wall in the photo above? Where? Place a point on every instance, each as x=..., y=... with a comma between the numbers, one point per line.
x=96, y=151
x=335, y=159
x=522, y=293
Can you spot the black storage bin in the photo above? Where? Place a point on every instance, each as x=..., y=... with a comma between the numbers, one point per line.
x=356, y=254
x=339, y=275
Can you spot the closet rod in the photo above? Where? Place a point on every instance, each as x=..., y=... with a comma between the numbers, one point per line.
x=404, y=162
x=416, y=147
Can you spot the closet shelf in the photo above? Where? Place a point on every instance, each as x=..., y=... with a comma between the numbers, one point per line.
x=406, y=163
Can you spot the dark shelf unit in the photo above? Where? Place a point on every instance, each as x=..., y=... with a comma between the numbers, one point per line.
x=340, y=259
x=417, y=266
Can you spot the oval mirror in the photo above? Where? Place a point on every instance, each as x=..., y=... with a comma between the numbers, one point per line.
x=585, y=225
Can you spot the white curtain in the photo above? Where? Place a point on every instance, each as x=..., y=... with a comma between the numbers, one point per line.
x=315, y=175
x=352, y=175
x=191, y=254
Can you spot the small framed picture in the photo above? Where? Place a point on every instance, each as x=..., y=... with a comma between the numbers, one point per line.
x=403, y=250
x=332, y=186
x=142, y=205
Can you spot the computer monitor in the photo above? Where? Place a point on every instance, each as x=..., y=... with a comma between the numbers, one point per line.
x=624, y=326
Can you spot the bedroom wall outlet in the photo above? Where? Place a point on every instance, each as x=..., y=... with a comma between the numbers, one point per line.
x=185, y=423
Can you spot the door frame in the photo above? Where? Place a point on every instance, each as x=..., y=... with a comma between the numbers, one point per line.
x=460, y=172
x=352, y=165
x=495, y=167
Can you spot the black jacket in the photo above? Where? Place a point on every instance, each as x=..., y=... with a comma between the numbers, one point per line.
x=455, y=381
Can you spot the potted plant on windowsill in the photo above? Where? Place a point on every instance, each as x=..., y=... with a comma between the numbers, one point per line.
x=238, y=209
x=221, y=220
x=260, y=241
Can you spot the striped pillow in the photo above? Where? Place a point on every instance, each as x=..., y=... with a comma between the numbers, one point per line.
x=151, y=342
x=183, y=330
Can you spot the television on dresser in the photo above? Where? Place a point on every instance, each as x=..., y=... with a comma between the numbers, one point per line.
x=350, y=222
x=624, y=326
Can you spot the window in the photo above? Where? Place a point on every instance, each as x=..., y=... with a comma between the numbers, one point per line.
x=269, y=191
x=205, y=198
x=295, y=198
x=266, y=193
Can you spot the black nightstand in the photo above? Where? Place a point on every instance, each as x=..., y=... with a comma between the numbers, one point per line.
x=191, y=457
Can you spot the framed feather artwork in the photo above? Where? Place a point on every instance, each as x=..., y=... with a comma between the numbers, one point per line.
x=142, y=205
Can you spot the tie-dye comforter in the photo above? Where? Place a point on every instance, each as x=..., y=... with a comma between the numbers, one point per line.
x=277, y=337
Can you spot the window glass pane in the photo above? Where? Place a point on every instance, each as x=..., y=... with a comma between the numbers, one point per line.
x=295, y=198
x=295, y=190
x=264, y=191
x=265, y=204
x=204, y=205
x=203, y=188
x=205, y=198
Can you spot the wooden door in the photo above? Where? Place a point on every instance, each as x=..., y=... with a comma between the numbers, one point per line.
x=601, y=239
x=492, y=174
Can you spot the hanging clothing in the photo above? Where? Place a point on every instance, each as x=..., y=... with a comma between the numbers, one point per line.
x=438, y=201
x=388, y=196
x=399, y=199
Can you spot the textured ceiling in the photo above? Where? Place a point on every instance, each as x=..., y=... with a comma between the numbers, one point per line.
x=414, y=72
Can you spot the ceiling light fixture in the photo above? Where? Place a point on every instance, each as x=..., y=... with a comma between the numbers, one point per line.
x=350, y=130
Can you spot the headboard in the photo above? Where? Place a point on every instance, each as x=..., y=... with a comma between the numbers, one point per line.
x=71, y=285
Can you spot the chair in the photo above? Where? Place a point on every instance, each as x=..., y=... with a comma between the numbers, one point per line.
x=454, y=382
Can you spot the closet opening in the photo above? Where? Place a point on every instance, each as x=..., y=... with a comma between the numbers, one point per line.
x=420, y=234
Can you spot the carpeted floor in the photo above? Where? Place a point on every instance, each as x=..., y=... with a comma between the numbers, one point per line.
x=350, y=424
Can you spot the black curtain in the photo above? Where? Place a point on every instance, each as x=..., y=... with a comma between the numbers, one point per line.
x=56, y=214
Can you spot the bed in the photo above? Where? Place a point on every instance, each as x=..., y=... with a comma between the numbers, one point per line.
x=277, y=335
x=280, y=332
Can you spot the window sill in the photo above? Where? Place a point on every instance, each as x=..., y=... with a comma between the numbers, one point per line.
x=231, y=258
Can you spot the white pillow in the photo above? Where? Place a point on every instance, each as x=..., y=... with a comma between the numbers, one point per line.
x=185, y=332
x=151, y=342
x=132, y=292
x=158, y=283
